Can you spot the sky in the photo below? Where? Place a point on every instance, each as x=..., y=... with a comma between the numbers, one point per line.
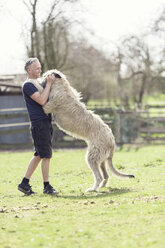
x=109, y=19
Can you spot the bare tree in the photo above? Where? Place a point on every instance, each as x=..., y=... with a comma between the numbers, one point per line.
x=34, y=49
x=159, y=25
x=55, y=44
x=89, y=70
x=158, y=28
x=134, y=69
x=49, y=36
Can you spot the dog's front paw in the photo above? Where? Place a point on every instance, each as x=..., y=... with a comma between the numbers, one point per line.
x=46, y=110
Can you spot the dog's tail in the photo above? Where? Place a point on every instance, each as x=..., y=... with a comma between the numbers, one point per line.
x=115, y=172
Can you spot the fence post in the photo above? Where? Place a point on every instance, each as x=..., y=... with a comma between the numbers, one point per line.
x=117, y=126
x=148, y=125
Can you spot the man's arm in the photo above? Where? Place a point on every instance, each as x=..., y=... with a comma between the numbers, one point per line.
x=43, y=97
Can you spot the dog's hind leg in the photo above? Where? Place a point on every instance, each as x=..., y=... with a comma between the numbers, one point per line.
x=105, y=175
x=97, y=177
x=93, y=162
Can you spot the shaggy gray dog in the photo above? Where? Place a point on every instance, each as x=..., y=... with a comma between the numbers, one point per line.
x=72, y=117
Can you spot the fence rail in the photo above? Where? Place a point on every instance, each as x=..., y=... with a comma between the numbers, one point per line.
x=129, y=126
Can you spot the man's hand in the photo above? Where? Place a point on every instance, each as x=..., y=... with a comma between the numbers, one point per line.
x=43, y=97
x=50, y=79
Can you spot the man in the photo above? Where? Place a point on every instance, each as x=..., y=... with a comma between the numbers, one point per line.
x=41, y=127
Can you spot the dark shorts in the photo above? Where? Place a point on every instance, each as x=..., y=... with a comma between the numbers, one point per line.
x=42, y=132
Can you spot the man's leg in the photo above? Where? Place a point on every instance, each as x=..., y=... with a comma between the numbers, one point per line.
x=32, y=166
x=45, y=169
x=24, y=185
x=48, y=189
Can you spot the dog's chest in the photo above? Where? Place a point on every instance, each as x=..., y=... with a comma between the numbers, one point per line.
x=57, y=94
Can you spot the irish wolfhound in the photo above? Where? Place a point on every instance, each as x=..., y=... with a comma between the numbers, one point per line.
x=72, y=117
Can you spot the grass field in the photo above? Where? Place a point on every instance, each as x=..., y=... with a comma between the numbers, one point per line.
x=128, y=213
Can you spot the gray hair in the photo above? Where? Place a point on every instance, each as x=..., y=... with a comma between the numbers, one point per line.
x=29, y=62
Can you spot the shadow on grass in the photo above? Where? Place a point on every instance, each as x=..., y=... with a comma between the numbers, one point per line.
x=92, y=195
x=79, y=196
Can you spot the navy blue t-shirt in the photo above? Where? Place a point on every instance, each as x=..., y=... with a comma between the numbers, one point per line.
x=35, y=110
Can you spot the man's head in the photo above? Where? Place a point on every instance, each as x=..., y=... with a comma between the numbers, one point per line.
x=33, y=68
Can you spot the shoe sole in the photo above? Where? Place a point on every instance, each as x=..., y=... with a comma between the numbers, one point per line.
x=54, y=193
x=25, y=192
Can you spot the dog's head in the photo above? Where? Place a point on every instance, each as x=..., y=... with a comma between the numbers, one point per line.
x=58, y=75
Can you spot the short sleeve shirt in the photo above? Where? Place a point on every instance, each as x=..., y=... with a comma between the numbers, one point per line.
x=35, y=110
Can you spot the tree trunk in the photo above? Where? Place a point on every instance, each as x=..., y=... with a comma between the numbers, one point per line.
x=142, y=89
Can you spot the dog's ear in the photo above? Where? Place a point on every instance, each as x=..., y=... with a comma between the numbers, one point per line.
x=56, y=75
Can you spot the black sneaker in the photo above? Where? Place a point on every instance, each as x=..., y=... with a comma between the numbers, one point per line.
x=50, y=190
x=26, y=189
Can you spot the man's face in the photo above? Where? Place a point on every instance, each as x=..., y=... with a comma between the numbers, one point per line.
x=34, y=70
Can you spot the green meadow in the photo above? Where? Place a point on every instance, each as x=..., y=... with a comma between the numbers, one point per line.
x=128, y=213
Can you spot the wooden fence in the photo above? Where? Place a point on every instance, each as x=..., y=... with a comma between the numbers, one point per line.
x=129, y=126
x=152, y=122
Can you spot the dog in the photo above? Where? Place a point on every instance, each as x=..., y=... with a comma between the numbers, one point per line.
x=72, y=116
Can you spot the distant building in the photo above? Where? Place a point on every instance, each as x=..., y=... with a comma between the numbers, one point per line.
x=14, y=122
x=11, y=84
